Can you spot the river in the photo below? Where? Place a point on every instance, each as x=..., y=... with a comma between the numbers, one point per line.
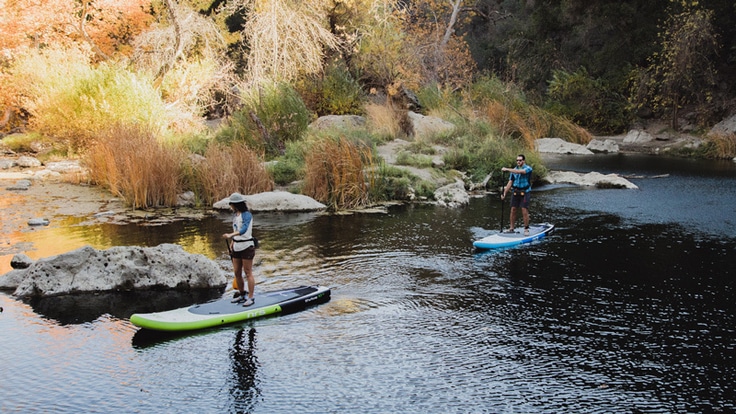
x=627, y=307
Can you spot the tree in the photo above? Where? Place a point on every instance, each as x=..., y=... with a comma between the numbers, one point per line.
x=287, y=38
x=682, y=71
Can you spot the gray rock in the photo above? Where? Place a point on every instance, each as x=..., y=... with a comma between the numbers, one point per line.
x=275, y=201
x=118, y=268
x=560, y=146
x=608, y=145
x=38, y=222
x=429, y=126
x=452, y=195
x=64, y=167
x=20, y=261
x=727, y=126
x=594, y=179
x=6, y=164
x=636, y=136
x=28, y=162
x=20, y=185
x=338, y=122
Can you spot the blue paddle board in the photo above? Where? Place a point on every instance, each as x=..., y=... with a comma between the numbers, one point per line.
x=222, y=311
x=500, y=240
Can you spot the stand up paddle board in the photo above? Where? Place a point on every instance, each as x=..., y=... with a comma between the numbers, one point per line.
x=499, y=240
x=222, y=311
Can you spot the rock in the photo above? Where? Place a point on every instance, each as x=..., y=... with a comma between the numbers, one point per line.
x=118, y=268
x=636, y=136
x=28, y=162
x=20, y=261
x=609, y=145
x=65, y=167
x=429, y=126
x=38, y=222
x=338, y=122
x=275, y=201
x=6, y=164
x=452, y=195
x=186, y=199
x=590, y=179
x=560, y=146
x=727, y=126
x=20, y=185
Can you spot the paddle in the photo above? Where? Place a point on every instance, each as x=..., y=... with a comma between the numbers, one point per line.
x=502, y=203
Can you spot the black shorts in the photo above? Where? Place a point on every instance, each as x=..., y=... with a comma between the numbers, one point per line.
x=247, y=254
x=520, y=199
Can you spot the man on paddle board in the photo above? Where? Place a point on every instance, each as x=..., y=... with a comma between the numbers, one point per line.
x=520, y=182
x=242, y=248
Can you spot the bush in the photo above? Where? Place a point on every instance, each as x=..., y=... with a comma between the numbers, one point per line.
x=587, y=101
x=229, y=168
x=130, y=162
x=336, y=173
x=335, y=93
x=271, y=116
x=71, y=100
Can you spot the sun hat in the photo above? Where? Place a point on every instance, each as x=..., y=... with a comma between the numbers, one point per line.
x=236, y=198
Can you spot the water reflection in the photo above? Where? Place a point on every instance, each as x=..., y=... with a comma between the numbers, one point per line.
x=245, y=389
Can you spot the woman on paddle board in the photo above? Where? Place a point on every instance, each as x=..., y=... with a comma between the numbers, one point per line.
x=242, y=249
x=520, y=182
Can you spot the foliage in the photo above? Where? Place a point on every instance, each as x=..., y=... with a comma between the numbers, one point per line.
x=509, y=113
x=287, y=39
x=383, y=52
x=130, y=162
x=230, y=168
x=586, y=101
x=682, y=70
x=338, y=173
x=271, y=115
x=290, y=166
x=335, y=92
x=720, y=146
x=74, y=101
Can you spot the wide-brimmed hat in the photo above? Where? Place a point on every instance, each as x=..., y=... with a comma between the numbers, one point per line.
x=236, y=198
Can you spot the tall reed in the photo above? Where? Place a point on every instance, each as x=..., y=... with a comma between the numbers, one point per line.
x=134, y=165
x=339, y=173
x=229, y=168
x=721, y=145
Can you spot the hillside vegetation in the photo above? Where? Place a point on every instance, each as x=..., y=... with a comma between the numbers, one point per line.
x=126, y=85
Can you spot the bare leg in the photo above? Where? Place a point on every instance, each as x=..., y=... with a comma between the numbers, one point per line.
x=512, y=218
x=248, y=268
x=525, y=213
x=238, y=270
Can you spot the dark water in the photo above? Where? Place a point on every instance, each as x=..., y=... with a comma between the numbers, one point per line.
x=628, y=307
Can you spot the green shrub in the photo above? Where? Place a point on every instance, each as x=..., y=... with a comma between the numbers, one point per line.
x=73, y=101
x=587, y=101
x=272, y=115
x=334, y=93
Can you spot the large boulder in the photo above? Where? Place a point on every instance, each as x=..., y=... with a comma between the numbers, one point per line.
x=452, y=195
x=608, y=145
x=560, y=146
x=594, y=179
x=429, y=126
x=86, y=269
x=282, y=201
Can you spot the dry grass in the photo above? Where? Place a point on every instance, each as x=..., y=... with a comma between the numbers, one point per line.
x=226, y=169
x=382, y=120
x=531, y=124
x=336, y=173
x=134, y=165
x=723, y=145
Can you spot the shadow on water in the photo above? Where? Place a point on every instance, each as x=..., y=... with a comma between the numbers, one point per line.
x=82, y=308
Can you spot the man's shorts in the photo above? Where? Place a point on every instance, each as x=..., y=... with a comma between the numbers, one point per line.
x=519, y=200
